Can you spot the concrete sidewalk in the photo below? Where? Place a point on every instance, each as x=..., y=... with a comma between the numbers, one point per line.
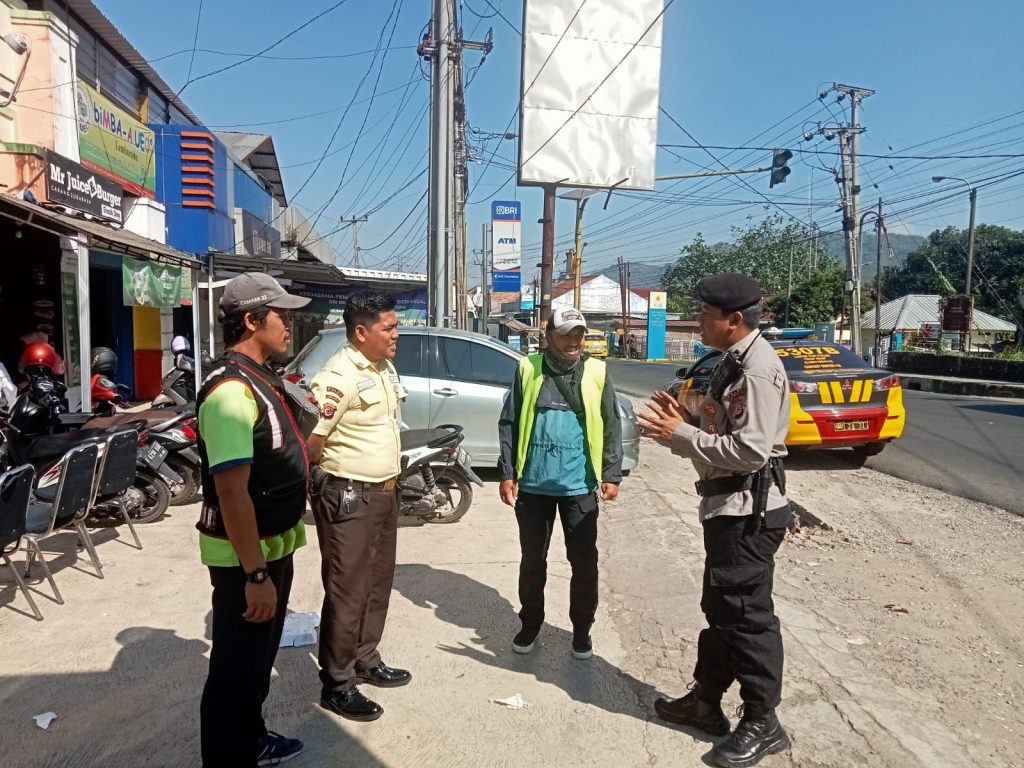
x=950, y=385
x=123, y=662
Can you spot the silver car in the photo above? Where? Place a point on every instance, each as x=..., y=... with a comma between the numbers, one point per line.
x=453, y=377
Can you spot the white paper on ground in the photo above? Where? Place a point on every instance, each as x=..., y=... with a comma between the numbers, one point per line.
x=300, y=629
x=44, y=720
x=512, y=702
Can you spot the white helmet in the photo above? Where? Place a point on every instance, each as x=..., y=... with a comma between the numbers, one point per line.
x=180, y=344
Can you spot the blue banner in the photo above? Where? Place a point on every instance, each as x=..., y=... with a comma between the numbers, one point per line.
x=656, y=325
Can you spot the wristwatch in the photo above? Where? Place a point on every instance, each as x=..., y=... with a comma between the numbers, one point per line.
x=258, y=576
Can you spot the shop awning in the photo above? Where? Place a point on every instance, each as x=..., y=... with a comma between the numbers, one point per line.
x=97, y=235
x=515, y=326
x=305, y=271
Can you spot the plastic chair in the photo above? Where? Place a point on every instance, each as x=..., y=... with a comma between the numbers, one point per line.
x=15, y=494
x=68, y=510
x=116, y=473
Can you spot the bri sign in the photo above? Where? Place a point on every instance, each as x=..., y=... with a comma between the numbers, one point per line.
x=506, y=260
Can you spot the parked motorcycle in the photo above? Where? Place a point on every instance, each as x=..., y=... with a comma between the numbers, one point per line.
x=38, y=432
x=436, y=475
x=178, y=386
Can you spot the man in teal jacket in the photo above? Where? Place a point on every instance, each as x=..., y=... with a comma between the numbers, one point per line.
x=561, y=448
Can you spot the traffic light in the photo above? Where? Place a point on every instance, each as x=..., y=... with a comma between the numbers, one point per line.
x=779, y=168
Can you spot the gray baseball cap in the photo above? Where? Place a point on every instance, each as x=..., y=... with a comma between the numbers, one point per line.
x=257, y=289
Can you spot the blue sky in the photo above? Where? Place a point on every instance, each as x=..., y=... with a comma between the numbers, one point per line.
x=948, y=76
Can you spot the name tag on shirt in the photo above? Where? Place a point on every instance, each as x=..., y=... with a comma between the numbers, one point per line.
x=365, y=384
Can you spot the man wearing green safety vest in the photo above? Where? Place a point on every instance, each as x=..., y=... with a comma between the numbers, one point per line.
x=561, y=448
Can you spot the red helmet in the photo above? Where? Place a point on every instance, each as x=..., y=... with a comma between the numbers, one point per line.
x=41, y=355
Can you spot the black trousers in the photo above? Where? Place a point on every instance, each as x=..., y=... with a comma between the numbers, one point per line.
x=357, y=550
x=536, y=517
x=743, y=641
x=241, y=661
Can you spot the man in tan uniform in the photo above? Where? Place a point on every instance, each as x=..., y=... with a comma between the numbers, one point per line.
x=358, y=445
x=736, y=443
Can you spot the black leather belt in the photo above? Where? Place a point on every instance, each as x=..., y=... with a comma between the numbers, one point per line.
x=362, y=485
x=720, y=486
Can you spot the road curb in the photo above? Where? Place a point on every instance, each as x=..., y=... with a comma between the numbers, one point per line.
x=963, y=387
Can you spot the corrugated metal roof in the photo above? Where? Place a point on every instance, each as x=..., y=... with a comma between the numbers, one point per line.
x=98, y=234
x=104, y=29
x=907, y=314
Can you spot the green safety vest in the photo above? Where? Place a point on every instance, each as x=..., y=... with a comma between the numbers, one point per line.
x=532, y=376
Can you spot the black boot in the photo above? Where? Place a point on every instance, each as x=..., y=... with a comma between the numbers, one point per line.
x=695, y=711
x=758, y=734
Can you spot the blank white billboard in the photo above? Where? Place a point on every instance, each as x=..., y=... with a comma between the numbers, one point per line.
x=589, y=92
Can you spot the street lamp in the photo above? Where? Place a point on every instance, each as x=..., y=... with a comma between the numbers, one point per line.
x=970, y=242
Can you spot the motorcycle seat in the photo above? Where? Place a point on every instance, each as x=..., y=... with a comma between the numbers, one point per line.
x=437, y=437
x=49, y=446
x=152, y=418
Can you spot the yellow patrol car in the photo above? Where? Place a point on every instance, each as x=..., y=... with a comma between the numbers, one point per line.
x=595, y=343
x=836, y=399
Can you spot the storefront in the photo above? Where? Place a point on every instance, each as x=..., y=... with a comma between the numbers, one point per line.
x=52, y=261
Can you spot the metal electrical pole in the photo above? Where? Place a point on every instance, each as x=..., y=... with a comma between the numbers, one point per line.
x=547, y=260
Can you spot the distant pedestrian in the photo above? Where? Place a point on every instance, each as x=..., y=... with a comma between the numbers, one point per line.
x=736, y=443
x=254, y=473
x=561, y=449
x=358, y=444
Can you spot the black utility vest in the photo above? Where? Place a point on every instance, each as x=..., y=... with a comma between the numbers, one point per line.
x=280, y=467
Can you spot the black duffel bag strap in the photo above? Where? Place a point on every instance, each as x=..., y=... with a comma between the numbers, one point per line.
x=720, y=486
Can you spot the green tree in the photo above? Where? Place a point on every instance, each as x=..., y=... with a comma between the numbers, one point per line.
x=761, y=249
x=815, y=299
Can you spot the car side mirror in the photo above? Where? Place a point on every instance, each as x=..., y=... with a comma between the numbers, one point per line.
x=681, y=372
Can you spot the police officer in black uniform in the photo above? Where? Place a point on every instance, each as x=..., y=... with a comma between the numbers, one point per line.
x=736, y=443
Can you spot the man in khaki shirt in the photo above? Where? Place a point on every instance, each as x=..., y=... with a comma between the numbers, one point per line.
x=736, y=443
x=358, y=444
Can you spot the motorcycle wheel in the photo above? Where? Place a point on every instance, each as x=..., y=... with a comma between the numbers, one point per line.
x=182, y=493
x=156, y=499
x=449, y=481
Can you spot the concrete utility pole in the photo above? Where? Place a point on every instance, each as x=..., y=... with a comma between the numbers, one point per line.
x=440, y=202
x=970, y=250
x=878, y=286
x=848, y=136
x=576, y=266
x=485, y=282
x=547, y=260
x=447, y=246
x=354, y=222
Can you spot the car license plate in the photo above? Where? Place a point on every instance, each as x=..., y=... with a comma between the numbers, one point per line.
x=153, y=456
x=852, y=426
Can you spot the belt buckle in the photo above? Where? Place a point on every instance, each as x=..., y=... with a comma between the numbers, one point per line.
x=698, y=486
x=389, y=485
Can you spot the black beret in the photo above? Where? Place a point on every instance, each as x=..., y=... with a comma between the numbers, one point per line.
x=730, y=291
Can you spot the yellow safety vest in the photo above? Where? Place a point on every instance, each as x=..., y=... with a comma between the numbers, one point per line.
x=532, y=376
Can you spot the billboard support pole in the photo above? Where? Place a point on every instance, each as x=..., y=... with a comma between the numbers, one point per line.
x=547, y=261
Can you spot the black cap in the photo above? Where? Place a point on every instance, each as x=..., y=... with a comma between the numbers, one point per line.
x=730, y=291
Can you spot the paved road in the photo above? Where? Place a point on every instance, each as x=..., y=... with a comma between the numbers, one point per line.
x=970, y=447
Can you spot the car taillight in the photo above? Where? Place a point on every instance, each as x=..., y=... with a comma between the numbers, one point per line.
x=889, y=382
x=295, y=377
x=802, y=387
x=188, y=432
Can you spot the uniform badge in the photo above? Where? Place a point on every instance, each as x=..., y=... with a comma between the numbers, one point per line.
x=711, y=428
x=328, y=412
x=710, y=410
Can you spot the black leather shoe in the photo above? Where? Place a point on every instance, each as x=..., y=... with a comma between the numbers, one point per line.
x=753, y=738
x=351, y=704
x=384, y=676
x=694, y=712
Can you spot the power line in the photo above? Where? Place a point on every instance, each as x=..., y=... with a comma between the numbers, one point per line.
x=270, y=47
x=195, y=41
